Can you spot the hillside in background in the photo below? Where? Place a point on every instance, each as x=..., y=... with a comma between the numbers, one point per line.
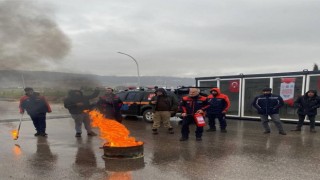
x=14, y=79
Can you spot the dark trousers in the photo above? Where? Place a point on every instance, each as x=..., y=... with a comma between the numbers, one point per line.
x=221, y=118
x=39, y=122
x=311, y=118
x=115, y=116
x=185, y=127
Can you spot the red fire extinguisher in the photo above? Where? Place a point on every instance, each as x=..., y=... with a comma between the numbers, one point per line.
x=199, y=119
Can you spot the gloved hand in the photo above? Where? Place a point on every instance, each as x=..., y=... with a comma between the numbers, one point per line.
x=200, y=111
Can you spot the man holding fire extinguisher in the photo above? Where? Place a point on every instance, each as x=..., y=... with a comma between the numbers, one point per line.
x=193, y=107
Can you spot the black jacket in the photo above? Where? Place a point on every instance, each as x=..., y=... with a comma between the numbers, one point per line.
x=109, y=104
x=307, y=105
x=191, y=105
x=171, y=101
x=71, y=101
x=267, y=104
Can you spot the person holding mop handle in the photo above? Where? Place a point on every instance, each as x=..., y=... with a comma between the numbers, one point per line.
x=36, y=107
x=15, y=132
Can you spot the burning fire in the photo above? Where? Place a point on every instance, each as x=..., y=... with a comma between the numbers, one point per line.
x=14, y=134
x=115, y=133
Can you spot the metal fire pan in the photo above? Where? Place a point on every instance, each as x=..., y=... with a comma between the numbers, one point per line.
x=131, y=152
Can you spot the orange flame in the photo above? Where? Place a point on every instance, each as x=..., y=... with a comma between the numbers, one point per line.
x=14, y=134
x=115, y=133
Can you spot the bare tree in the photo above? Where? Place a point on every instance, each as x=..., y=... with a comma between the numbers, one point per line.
x=315, y=67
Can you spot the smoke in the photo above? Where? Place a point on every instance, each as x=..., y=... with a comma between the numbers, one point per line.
x=29, y=36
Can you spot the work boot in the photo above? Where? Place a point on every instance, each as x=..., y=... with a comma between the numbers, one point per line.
x=282, y=133
x=312, y=130
x=183, y=139
x=37, y=134
x=266, y=132
x=43, y=134
x=296, y=129
x=92, y=133
x=155, y=131
x=78, y=135
x=211, y=130
x=223, y=130
x=170, y=130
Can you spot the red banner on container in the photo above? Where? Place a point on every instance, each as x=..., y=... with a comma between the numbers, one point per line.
x=287, y=90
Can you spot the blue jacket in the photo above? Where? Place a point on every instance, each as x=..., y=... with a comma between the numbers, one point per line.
x=268, y=104
x=218, y=104
x=34, y=105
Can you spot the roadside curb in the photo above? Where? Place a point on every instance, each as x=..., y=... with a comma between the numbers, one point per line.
x=28, y=118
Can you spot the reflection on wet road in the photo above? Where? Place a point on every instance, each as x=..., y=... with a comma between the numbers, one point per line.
x=242, y=153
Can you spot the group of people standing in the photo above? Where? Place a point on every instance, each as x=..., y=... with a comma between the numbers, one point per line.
x=76, y=102
x=214, y=106
x=109, y=104
x=269, y=104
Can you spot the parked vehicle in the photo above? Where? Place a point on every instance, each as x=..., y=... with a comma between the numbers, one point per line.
x=136, y=102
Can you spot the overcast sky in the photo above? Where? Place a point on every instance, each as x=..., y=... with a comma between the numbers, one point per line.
x=187, y=38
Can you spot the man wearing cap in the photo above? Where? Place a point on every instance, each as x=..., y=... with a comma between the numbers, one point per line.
x=37, y=107
x=268, y=104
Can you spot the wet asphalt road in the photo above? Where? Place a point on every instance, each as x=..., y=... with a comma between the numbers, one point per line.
x=242, y=153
